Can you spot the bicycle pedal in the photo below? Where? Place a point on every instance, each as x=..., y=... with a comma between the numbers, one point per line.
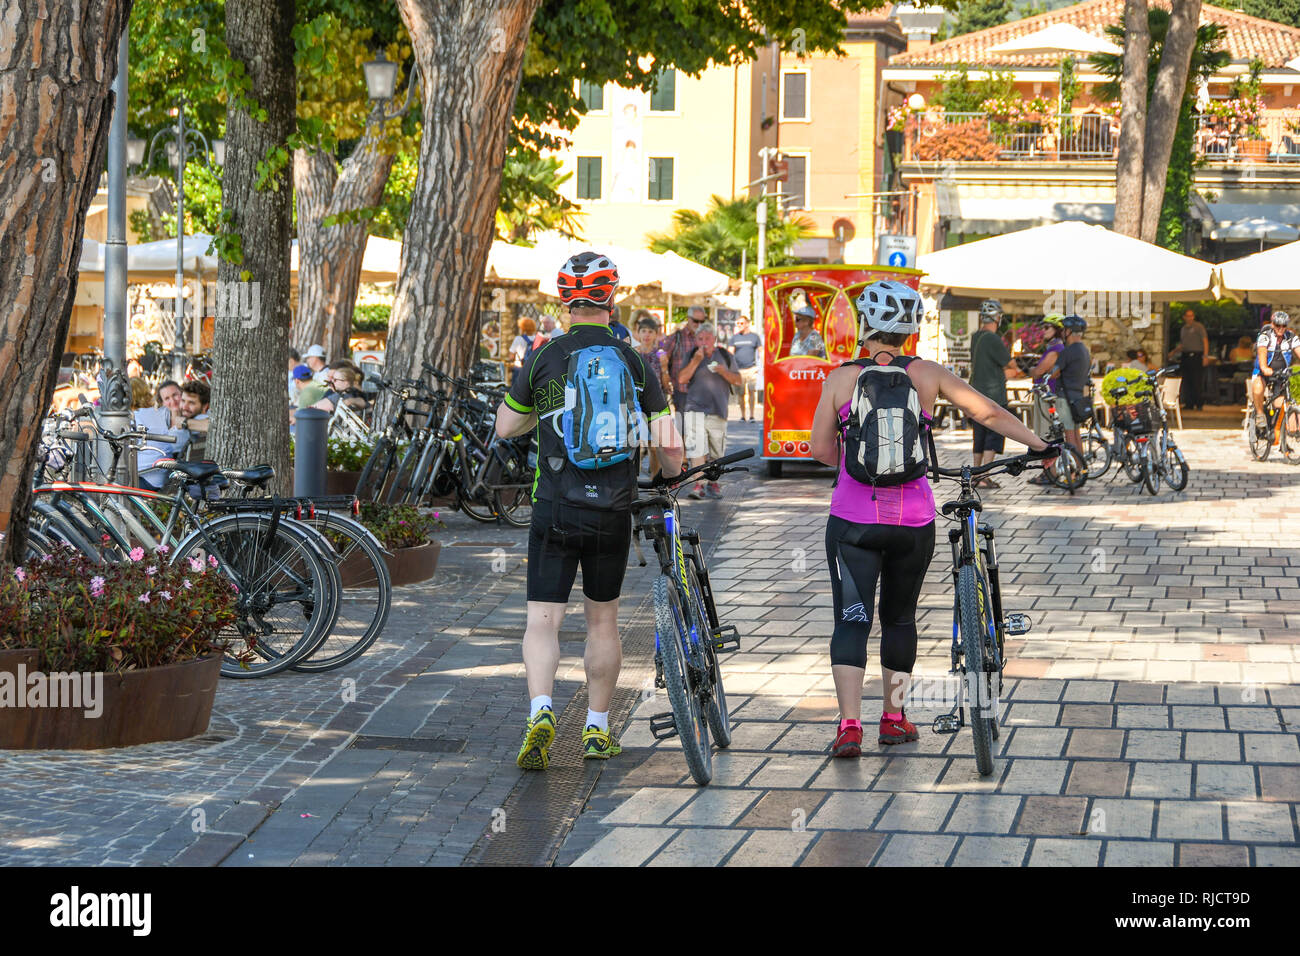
x=663, y=726
x=946, y=724
x=725, y=645
x=1017, y=624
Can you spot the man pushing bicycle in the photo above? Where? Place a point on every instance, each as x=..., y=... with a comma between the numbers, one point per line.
x=593, y=403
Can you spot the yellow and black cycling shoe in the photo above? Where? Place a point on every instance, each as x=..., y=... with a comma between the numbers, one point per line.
x=599, y=744
x=534, y=754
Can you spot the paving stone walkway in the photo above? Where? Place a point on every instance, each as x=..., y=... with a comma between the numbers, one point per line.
x=1150, y=717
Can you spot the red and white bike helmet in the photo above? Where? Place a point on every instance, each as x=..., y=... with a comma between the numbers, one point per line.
x=588, y=278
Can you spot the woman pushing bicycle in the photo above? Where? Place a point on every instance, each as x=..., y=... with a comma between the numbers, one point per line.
x=870, y=424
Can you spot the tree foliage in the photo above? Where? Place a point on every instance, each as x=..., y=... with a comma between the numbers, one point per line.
x=531, y=200
x=958, y=93
x=727, y=232
x=1279, y=11
x=1208, y=57
x=979, y=15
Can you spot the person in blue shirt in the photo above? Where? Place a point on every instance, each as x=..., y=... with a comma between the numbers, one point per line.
x=165, y=419
x=617, y=327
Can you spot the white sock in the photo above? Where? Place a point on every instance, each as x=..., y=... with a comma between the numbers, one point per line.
x=601, y=720
x=540, y=702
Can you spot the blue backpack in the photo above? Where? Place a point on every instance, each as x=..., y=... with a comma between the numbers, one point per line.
x=602, y=421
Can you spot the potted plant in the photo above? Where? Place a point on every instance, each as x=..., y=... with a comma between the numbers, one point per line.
x=344, y=459
x=115, y=654
x=406, y=533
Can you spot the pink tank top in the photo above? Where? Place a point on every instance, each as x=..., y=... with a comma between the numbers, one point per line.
x=910, y=504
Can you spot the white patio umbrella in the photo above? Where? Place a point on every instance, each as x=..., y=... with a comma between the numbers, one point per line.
x=1064, y=257
x=379, y=263
x=1057, y=38
x=1257, y=228
x=1275, y=271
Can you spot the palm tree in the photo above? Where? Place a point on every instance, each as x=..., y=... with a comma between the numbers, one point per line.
x=531, y=200
x=728, y=232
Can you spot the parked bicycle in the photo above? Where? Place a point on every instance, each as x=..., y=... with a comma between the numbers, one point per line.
x=979, y=627
x=688, y=633
x=1069, y=470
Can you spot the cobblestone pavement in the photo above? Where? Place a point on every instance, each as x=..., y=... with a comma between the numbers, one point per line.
x=1152, y=708
x=1150, y=717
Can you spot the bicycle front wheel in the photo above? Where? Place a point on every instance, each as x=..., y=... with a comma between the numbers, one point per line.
x=406, y=479
x=1150, y=469
x=365, y=596
x=1260, y=446
x=674, y=637
x=377, y=468
x=284, y=605
x=1132, y=460
x=973, y=615
x=1069, y=470
x=715, y=706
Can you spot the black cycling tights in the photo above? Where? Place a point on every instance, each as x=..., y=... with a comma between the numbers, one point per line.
x=860, y=555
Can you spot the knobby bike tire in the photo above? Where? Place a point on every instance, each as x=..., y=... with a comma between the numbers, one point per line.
x=1290, y=442
x=241, y=555
x=692, y=728
x=375, y=473
x=365, y=597
x=715, y=706
x=1096, y=454
x=974, y=626
x=1259, y=447
x=1176, y=469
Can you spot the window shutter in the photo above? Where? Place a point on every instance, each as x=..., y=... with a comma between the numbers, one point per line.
x=664, y=98
x=592, y=94
x=589, y=173
x=661, y=178
x=794, y=101
x=797, y=185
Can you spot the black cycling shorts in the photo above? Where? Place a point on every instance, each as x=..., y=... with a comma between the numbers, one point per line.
x=984, y=438
x=598, y=541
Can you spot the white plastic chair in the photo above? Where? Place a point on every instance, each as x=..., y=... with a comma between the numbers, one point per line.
x=1169, y=389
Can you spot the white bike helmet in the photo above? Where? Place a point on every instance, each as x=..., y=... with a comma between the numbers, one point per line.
x=889, y=306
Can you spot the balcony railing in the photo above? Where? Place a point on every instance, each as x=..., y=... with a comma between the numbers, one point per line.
x=1064, y=137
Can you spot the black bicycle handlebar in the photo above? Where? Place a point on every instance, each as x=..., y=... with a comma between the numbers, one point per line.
x=715, y=468
x=1018, y=462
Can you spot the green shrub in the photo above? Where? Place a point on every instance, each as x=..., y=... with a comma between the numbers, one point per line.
x=399, y=526
x=371, y=318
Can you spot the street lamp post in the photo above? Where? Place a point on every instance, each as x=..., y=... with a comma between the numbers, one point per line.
x=114, y=389
x=179, y=150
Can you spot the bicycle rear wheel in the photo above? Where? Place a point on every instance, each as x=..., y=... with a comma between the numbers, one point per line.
x=1132, y=461
x=283, y=606
x=972, y=612
x=1150, y=469
x=692, y=728
x=1096, y=454
x=1069, y=470
x=514, y=497
x=1175, y=468
x=365, y=596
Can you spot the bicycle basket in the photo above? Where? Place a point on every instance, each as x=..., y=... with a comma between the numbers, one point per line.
x=1136, y=419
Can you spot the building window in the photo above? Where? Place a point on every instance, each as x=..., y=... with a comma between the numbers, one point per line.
x=661, y=178
x=796, y=187
x=794, y=96
x=589, y=177
x=664, y=98
x=592, y=94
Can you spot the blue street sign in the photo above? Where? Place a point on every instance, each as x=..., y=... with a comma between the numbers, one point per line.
x=897, y=259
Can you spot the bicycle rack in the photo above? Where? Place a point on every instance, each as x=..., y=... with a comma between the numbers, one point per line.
x=662, y=726
x=724, y=645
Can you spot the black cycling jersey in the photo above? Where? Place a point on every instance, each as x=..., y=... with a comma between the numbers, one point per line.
x=539, y=387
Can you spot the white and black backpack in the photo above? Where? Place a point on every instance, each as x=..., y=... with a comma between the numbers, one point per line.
x=883, y=434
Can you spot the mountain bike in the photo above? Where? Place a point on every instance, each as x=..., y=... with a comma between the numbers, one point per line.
x=413, y=398
x=1281, y=420
x=688, y=634
x=1069, y=470
x=979, y=626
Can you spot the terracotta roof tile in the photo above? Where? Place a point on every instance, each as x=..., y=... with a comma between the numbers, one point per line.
x=1248, y=37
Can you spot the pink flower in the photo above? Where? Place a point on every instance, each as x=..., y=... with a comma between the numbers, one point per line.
x=137, y=554
x=143, y=598
x=188, y=584
x=196, y=565
x=97, y=586
x=165, y=595
x=20, y=574
x=212, y=560
x=163, y=549
x=151, y=570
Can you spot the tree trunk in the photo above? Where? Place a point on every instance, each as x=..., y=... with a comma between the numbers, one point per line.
x=1166, y=102
x=1133, y=119
x=470, y=56
x=57, y=64
x=329, y=257
x=250, y=422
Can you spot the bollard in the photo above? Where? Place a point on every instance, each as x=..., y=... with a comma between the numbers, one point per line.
x=309, y=452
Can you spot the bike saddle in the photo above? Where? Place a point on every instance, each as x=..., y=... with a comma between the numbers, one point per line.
x=257, y=475
x=198, y=470
x=972, y=503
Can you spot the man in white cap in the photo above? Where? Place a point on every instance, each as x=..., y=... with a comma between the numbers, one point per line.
x=316, y=361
